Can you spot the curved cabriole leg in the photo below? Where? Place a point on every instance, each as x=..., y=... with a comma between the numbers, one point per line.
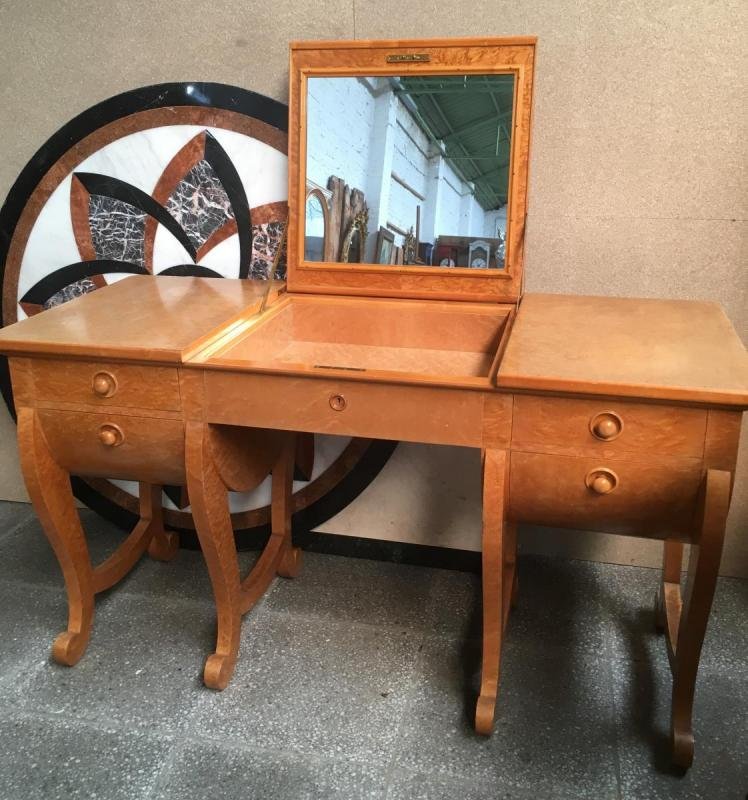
x=210, y=510
x=148, y=534
x=686, y=619
x=499, y=542
x=279, y=556
x=48, y=486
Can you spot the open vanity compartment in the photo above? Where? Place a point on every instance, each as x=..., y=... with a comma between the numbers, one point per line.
x=445, y=342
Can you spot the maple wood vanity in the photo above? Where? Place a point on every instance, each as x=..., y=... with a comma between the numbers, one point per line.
x=595, y=413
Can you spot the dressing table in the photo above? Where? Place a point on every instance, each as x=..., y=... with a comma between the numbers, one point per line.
x=600, y=413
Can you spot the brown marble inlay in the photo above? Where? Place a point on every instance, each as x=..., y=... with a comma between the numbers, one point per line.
x=79, y=206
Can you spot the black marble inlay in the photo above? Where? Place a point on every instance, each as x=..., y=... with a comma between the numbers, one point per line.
x=190, y=271
x=117, y=229
x=114, y=188
x=70, y=292
x=218, y=158
x=63, y=277
x=265, y=241
x=199, y=203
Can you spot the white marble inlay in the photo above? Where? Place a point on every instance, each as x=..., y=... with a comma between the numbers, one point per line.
x=167, y=251
x=224, y=257
x=262, y=170
x=51, y=243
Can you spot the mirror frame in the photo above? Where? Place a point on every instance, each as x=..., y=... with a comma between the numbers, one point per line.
x=319, y=59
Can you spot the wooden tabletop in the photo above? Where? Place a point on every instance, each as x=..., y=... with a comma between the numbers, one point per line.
x=142, y=318
x=679, y=350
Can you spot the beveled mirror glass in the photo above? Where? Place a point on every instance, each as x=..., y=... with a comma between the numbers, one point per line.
x=425, y=157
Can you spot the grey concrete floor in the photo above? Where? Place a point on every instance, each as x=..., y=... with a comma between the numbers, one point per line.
x=356, y=680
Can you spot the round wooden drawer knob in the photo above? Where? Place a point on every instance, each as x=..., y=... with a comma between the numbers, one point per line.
x=111, y=435
x=104, y=384
x=337, y=402
x=606, y=426
x=601, y=481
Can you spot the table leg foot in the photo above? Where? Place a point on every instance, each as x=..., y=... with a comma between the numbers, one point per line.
x=69, y=647
x=219, y=667
x=485, y=711
x=163, y=546
x=290, y=563
x=682, y=747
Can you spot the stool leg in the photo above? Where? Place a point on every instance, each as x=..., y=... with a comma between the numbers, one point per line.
x=210, y=510
x=165, y=544
x=703, y=568
x=48, y=485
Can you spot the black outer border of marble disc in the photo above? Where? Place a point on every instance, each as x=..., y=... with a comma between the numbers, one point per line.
x=162, y=95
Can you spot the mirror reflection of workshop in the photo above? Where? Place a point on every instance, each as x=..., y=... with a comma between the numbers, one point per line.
x=410, y=171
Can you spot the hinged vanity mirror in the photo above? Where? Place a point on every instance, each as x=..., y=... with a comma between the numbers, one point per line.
x=408, y=167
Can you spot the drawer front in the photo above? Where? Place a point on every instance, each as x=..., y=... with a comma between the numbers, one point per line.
x=107, y=384
x=116, y=446
x=347, y=408
x=602, y=427
x=619, y=496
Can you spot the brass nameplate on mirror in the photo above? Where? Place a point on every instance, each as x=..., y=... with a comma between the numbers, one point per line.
x=397, y=58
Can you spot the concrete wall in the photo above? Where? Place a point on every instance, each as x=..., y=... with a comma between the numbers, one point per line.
x=637, y=178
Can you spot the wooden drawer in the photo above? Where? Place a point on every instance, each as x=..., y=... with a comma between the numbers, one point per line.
x=352, y=408
x=116, y=446
x=652, y=496
x=104, y=384
x=609, y=428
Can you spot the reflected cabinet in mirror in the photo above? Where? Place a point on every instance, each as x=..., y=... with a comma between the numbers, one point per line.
x=410, y=162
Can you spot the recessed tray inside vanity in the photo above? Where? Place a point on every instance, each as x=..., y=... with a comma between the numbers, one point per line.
x=422, y=341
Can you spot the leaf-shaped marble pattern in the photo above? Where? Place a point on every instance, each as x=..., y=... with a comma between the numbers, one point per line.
x=199, y=203
x=117, y=229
